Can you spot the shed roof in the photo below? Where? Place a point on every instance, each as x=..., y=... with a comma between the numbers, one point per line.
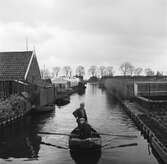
x=14, y=65
x=59, y=81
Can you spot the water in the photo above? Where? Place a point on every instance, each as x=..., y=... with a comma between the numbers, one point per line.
x=21, y=143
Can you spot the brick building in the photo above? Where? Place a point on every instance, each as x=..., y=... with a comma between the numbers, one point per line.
x=19, y=71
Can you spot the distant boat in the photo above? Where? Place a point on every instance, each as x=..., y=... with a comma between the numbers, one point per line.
x=45, y=108
x=62, y=100
x=78, y=144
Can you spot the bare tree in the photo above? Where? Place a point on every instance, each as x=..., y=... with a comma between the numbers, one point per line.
x=109, y=71
x=67, y=71
x=92, y=70
x=56, y=71
x=149, y=72
x=45, y=74
x=159, y=74
x=131, y=70
x=102, y=70
x=80, y=71
x=127, y=68
x=138, y=71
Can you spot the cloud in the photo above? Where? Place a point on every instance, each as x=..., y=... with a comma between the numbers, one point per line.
x=87, y=32
x=107, y=16
x=13, y=35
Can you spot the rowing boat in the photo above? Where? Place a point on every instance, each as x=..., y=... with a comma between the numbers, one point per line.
x=91, y=143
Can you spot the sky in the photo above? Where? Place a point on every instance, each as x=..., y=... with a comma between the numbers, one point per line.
x=87, y=32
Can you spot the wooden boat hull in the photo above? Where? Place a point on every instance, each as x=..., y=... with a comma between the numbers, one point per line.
x=84, y=144
x=86, y=157
x=91, y=143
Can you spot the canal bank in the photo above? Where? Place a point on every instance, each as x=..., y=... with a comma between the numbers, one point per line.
x=21, y=141
x=145, y=113
x=141, y=120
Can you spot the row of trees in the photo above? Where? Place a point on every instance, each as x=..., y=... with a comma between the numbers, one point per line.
x=101, y=71
x=66, y=70
x=80, y=71
x=126, y=69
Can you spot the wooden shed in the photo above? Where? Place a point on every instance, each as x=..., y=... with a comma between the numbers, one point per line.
x=46, y=93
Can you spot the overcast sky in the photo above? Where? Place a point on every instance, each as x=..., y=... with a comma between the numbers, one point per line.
x=87, y=32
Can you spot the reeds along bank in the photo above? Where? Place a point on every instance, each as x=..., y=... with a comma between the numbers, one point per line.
x=126, y=88
x=121, y=88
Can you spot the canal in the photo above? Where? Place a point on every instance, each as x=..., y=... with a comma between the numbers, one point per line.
x=21, y=143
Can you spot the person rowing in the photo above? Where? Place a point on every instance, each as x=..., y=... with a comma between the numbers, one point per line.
x=85, y=130
x=80, y=113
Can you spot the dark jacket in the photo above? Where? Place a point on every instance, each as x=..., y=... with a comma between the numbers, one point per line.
x=85, y=131
x=80, y=113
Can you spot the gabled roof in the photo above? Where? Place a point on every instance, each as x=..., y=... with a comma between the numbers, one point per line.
x=14, y=65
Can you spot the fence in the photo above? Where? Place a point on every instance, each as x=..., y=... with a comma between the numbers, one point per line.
x=151, y=88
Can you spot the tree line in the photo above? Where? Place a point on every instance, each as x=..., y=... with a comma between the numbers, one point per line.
x=126, y=69
x=67, y=71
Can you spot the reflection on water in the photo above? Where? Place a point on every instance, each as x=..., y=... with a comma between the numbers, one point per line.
x=90, y=157
x=81, y=92
x=20, y=140
x=21, y=143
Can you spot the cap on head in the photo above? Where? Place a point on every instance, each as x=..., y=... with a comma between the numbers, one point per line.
x=82, y=104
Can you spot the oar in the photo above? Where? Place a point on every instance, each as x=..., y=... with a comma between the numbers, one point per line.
x=48, y=144
x=109, y=134
x=55, y=133
x=119, y=135
x=124, y=145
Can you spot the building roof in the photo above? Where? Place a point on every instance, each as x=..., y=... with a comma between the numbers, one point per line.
x=45, y=83
x=14, y=65
x=59, y=81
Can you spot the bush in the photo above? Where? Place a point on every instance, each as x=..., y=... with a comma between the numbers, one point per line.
x=12, y=105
